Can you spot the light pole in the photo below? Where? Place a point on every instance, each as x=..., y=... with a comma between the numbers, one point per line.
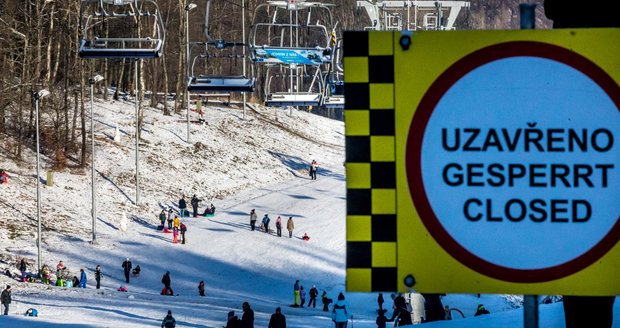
x=95, y=79
x=37, y=98
x=188, y=7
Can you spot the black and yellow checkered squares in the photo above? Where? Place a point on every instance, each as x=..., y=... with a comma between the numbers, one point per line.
x=370, y=162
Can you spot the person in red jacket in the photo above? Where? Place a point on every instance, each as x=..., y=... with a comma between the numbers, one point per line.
x=4, y=178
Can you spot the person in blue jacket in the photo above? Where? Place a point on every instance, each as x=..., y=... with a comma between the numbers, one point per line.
x=341, y=313
x=82, y=278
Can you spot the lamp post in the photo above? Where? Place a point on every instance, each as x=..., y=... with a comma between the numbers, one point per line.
x=188, y=7
x=95, y=79
x=37, y=98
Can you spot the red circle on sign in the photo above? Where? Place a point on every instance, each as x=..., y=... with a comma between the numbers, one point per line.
x=413, y=158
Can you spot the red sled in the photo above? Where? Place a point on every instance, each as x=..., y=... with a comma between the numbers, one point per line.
x=167, y=231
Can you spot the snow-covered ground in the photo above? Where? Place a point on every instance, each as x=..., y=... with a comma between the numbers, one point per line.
x=238, y=164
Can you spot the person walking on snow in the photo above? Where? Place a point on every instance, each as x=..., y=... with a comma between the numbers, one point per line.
x=314, y=166
x=290, y=226
x=201, y=288
x=194, y=203
x=127, y=269
x=98, y=276
x=325, y=301
x=170, y=218
x=169, y=321
x=296, y=293
x=341, y=313
x=278, y=320
x=5, y=299
x=266, y=223
x=313, y=294
x=279, y=226
x=302, y=296
x=82, y=279
x=247, y=319
x=183, y=230
x=253, y=218
x=182, y=206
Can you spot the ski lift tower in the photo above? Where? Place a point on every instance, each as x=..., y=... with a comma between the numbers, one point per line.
x=411, y=14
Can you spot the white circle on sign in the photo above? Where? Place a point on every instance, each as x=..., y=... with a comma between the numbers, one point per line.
x=556, y=126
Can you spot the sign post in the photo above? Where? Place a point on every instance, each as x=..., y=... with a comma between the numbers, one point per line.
x=483, y=161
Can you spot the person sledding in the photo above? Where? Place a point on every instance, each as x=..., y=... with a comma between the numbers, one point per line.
x=166, y=281
x=209, y=211
x=305, y=237
x=136, y=271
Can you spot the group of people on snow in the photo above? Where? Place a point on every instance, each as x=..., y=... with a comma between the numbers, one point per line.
x=264, y=226
x=195, y=202
x=299, y=295
x=174, y=224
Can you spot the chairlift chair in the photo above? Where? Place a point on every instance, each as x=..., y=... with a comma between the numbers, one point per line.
x=217, y=49
x=97, y=16
x=294, y=93
x=290, y=39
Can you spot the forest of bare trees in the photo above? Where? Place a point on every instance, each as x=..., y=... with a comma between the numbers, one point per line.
x=39, y=49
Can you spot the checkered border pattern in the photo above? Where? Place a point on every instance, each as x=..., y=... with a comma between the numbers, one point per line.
x=370, y=162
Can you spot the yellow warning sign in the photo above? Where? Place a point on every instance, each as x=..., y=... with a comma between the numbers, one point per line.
x=483, y=161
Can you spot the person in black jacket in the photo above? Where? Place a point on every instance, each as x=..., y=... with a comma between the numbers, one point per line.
x=166, y=280
x=380, y=301
x=168, y=321
x=98, y=276
x=247, y=319
x=277, y=320
x=5, y=299
x=400, y=314
x=127, y=269
x=194, y=203
x=233, y=320
x=314, y=293
x=182, y=206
